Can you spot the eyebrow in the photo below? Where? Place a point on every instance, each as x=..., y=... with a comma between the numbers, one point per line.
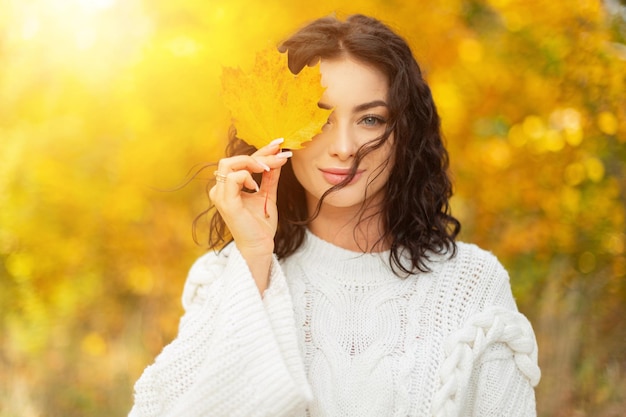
x=359, y=108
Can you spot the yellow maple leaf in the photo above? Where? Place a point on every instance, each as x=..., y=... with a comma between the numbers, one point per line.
x=270, y=102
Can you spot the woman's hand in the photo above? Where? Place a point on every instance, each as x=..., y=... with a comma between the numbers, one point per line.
x=252, y=218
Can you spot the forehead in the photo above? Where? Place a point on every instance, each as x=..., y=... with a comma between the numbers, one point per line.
x=351, y=81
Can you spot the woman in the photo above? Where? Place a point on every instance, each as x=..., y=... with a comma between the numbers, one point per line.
x=351, y=296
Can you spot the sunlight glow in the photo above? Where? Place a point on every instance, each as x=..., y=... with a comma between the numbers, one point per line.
x=89, y=39
x=30, y=28
x=96, y=4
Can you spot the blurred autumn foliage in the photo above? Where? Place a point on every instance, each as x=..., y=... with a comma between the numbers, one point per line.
x=104, y=104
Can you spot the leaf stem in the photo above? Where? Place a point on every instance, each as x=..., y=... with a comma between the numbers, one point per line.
x=267, y=194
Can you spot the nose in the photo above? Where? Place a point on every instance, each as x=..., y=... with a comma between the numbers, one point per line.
x=343, y=144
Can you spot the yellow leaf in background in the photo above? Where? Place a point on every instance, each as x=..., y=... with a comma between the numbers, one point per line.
x=270, y=102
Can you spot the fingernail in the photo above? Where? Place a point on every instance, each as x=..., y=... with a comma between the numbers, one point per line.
x=265, y=167
x=284, y=155
x=276, y=142
x=256, y=187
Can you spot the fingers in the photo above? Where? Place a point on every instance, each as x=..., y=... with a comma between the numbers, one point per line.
x=234, y=173
x=250, y=217
x=235, y=182
x=227, y=166
x=262, y=160
x=270, y=149
x=269, y=182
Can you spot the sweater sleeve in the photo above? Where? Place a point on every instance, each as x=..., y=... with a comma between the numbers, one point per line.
x=236, y=353
x=502, y=387
x=505, y=369
x=490, y=367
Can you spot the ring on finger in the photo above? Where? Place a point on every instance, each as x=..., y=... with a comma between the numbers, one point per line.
x=219, y=177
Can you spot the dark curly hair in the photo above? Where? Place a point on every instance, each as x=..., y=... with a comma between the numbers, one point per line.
x=415, y=209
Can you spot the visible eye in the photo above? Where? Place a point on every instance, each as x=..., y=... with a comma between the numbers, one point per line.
x=372, y=120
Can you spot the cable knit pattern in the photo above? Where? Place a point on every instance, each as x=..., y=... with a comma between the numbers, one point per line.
x=467, y=345
x=337, y=333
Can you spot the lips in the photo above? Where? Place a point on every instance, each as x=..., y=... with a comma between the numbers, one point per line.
x=335, y=176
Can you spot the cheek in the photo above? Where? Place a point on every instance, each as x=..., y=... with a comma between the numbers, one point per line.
x=299, y=165
x=384, y=161
x=385, y=155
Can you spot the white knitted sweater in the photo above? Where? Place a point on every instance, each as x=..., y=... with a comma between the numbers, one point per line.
x=338, y=334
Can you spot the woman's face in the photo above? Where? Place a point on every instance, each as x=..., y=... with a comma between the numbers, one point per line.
x=357, y=93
